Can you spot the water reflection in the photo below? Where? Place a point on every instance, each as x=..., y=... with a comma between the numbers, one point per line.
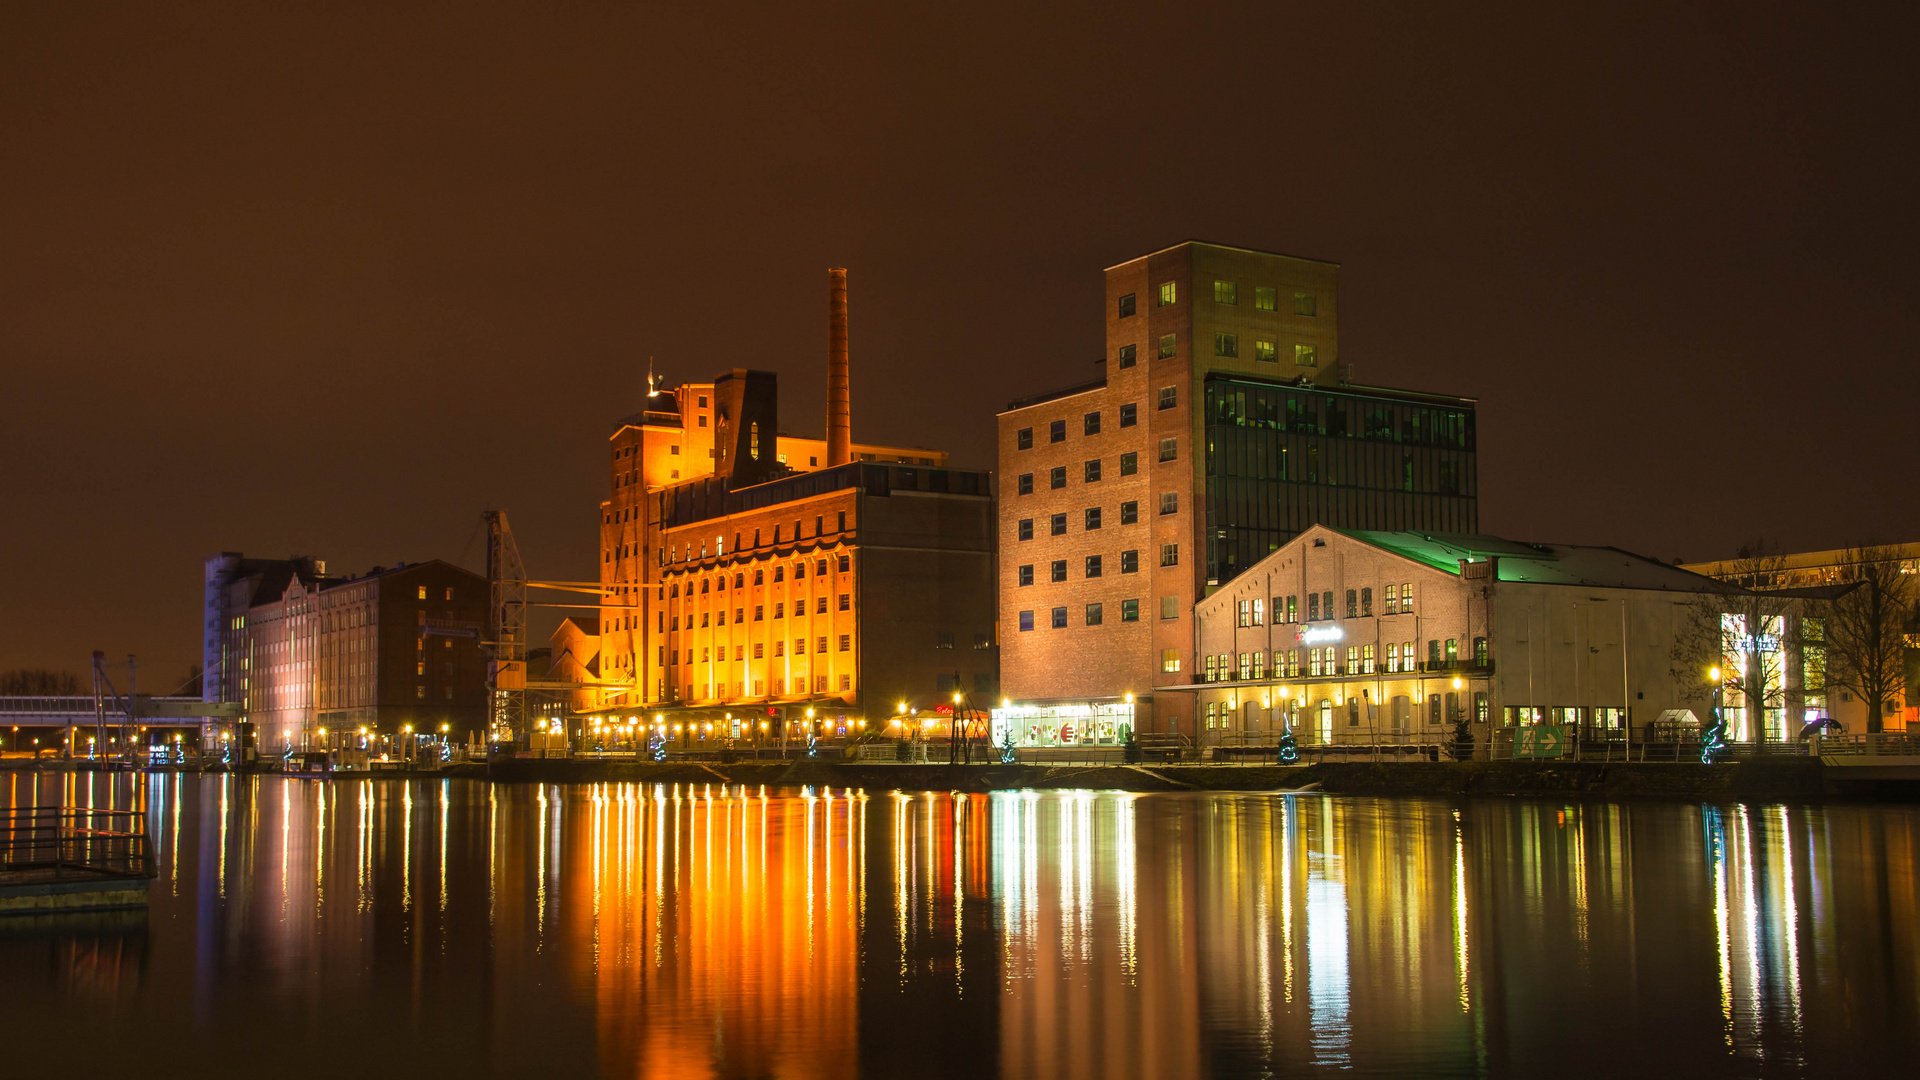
x=719, y=930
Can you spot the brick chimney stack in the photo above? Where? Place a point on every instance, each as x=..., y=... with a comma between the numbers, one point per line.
x=839, y=408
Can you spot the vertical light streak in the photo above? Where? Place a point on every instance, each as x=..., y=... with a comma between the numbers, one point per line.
x=1717, y=845
x=226, y=786
x=900, y=877
x=406, y=846
x=493, y=835
x=1328, y=981
x=175, y=854
x=320, y=850
x=540, y=873
x=1289, y=830
x=1460, y=910
x=1791, y=918
x=1750, y=906
x=446, y=807
x=286, y=845
x=1126, y=873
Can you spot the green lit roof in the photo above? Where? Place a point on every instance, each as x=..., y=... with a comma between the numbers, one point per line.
x=1544, y=564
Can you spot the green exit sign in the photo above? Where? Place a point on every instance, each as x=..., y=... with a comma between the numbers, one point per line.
x=1540, y=741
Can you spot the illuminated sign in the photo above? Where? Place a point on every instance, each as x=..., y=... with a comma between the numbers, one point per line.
x=1321, y=633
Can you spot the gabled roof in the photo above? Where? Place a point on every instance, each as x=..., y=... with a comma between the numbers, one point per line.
x=1542, y=564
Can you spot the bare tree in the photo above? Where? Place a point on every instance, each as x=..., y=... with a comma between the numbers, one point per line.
x=1866, y=628
x=39, y=681
x=1742, y=633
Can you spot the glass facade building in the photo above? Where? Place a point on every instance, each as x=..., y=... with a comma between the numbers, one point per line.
x=1281, y=457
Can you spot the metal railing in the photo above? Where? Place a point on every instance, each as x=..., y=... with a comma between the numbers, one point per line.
x=1667, y=747
x=1877, y=744
x=75, y=842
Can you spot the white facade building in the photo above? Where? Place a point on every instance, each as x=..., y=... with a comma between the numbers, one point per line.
x=1390, y=637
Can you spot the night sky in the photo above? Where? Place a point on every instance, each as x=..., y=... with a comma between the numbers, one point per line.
x=332, y=282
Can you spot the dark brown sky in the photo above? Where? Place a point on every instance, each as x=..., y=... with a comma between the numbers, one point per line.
x=332, y=282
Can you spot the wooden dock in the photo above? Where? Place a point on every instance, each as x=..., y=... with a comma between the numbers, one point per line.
x=58, y=859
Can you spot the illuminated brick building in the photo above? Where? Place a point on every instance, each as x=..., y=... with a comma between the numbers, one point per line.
x=743, y=568
x=302, y=651
x=1225, y=423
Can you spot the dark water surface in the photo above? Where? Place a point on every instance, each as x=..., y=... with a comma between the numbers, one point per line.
x=452, y=928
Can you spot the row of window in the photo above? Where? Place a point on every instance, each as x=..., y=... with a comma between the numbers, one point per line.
x=1093, y=470
x=1228, y=293
x=673, y=656
x=1323, y=661
x=1090, y=423
x=1095, y=565
x=739, y=689
x=843, y=563
x=759, y=613
x=1398, y=601
x=1093, y=516
x=1402, y=713
x=1094, y=615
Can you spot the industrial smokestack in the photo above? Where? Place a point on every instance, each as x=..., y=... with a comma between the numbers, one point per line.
x=839, y=407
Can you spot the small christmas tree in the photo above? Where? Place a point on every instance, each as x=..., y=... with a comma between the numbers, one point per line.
x=1289, y=750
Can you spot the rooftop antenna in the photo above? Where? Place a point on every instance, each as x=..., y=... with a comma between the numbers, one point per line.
x=653, y=381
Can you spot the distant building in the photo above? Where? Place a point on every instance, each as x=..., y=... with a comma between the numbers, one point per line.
x=1807, y=569
x=1384, y=637
x=747, y=572
x=302, y=651
x=1225, y=423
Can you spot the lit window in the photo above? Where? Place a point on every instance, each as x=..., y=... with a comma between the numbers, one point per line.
x=1167, y=346
x=1226, y=292
x=1306, y=356
x=1168, y=294
x=423, y=592
x=1169, y=660
x=1265, y=299
x=1266, y=351
x=1226, y=345
x=1303, y=304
